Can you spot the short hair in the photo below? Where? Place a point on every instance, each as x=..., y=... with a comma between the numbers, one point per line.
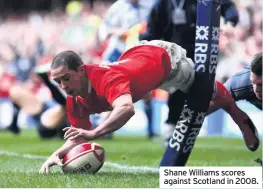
x=67, y=58
x=256, y=64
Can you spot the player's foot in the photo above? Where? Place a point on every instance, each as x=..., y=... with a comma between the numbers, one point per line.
x=250, y=135
x=14, y=129
x=258, y=160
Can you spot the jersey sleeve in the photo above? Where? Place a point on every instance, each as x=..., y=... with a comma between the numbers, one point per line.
x=77, y=117
x=228, y=85
x=239, y=85
x=222, y=99
x=113, y=85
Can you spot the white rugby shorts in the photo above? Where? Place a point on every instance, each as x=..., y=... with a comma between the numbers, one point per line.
x=182, y=68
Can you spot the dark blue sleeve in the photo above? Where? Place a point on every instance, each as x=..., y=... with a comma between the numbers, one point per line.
x=156, y=21
x=240, y=86
x=229, y=11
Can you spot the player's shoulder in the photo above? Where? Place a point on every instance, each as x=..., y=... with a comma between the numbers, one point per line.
x=243, y=76
x=93, y=69
x=96, y=72
x=240, y=83
x=243, y=73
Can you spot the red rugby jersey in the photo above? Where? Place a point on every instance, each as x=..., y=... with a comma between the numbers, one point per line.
x=137, y=72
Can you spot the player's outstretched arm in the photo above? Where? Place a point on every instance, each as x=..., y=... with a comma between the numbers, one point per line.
x=55, y=158
x=224, y=100
x=122, y=111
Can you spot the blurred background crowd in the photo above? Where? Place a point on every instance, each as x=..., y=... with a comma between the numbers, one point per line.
x=239, y=44
x=33, y=32
x=33, y=35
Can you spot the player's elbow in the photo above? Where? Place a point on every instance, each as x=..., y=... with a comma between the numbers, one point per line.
x=124, y=105
x=129, y=109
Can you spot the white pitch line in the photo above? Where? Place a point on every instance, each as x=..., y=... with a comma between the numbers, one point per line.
x=27, y=156
x=141, y=169
x=123, y=168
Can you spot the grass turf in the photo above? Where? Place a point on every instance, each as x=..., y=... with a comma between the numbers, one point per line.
x=130, y=161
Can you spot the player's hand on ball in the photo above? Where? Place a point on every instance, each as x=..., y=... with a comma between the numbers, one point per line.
x=73, y=133
x=52, y=160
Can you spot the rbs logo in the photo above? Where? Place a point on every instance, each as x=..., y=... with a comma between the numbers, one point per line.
x=178, y=138
x=182, y=138
x=202, y=48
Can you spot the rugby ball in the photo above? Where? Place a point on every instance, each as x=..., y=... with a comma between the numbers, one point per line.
x=84, y=158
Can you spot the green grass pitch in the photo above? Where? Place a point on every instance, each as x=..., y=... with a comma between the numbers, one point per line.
x=131, y=161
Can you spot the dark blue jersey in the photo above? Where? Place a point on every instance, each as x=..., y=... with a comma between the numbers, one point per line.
x=241, y=88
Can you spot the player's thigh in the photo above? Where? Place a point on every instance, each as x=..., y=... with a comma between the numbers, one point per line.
x=54, y=116
x=24, y=98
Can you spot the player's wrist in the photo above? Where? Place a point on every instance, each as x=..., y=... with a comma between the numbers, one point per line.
x=93, y=134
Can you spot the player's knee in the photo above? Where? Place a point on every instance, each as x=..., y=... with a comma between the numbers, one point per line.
x=52, y=118
x=14, y=92
x=46, y=121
